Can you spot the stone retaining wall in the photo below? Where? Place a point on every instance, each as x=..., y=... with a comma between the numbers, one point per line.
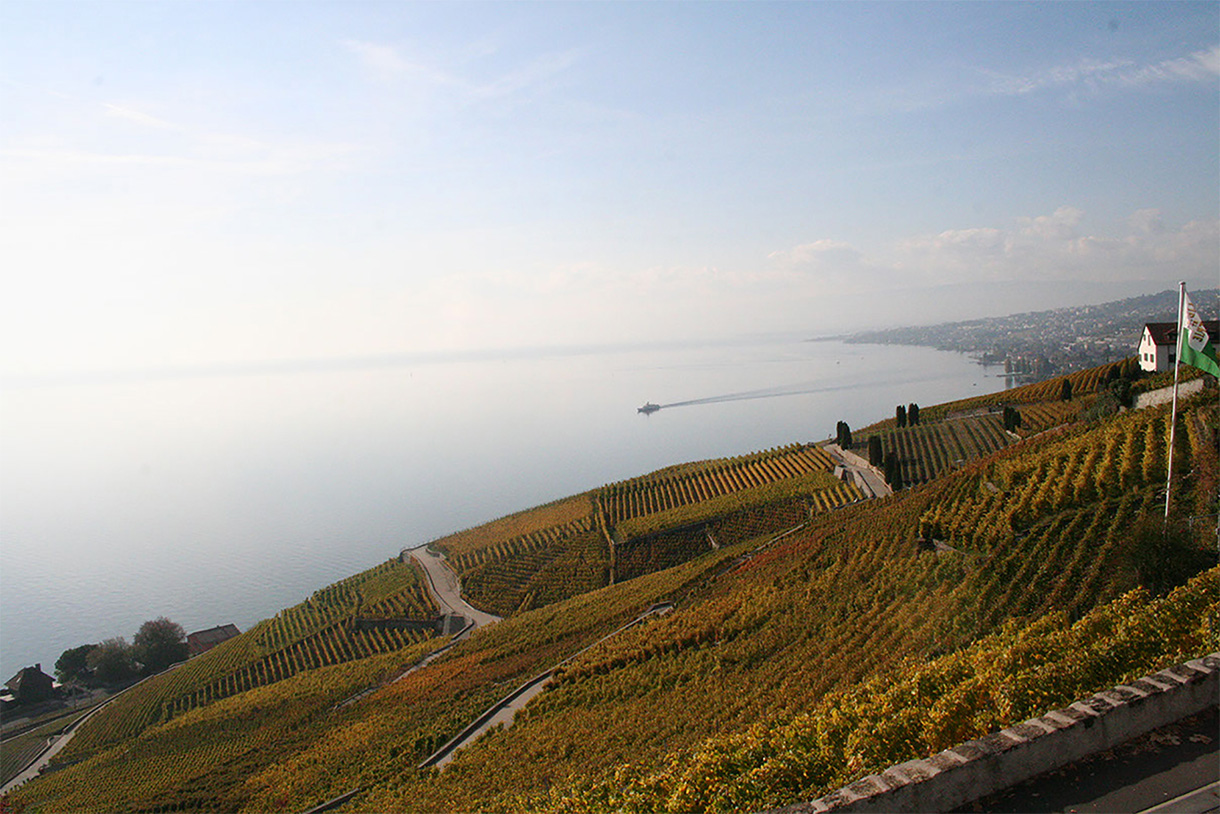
x=1165, y=395
x=978, y=768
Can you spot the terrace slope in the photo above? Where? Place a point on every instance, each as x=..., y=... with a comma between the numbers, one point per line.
x=772, y=680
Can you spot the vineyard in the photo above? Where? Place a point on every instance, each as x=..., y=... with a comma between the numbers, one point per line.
x=314, y=634
x=663, y=492
x=790, y=665
x=531, y=577
x=521, y=525
x=531, y=559
x=927, y=451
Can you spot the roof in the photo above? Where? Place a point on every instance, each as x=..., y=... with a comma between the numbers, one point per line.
x=1166, y=333
x=29, y=677
x=203, y=639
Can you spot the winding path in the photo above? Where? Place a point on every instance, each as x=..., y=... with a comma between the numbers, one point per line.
x=447, y=588
x=504, y=710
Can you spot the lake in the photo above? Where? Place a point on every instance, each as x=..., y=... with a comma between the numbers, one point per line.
x=223, y=495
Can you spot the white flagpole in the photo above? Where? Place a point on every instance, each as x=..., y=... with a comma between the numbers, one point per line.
x=1173, y=415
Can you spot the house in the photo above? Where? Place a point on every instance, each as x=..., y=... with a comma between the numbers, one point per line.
x=1159, y=344
x=202, y=641
x=31, y=685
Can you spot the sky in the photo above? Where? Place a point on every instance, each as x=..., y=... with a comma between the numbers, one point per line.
x=192, y=185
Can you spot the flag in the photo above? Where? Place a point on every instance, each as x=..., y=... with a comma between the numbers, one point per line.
x=1195, y=347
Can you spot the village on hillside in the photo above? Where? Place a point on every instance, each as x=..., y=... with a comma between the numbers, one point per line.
x=1037, y=345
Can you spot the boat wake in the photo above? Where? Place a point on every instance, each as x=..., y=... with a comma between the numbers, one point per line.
x=799, y=389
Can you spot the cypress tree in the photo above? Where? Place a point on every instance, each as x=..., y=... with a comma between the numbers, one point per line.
x=900, y=415
x=875, y=456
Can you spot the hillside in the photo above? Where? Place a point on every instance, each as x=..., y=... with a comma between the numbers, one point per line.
x=1062, y=340
x=1022, y=574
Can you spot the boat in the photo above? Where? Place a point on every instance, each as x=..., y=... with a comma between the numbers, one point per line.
x=648, y=407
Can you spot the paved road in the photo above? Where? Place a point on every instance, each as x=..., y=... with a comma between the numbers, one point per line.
x=873, y=483
x=55, y=745
x=447, y=588
x=1173, y=769
x=505, y=710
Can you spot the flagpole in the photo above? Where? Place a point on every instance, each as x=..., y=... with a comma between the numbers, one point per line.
x=1173, y=415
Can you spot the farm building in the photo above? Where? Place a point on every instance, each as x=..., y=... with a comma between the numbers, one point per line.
x=202, y=641
x=31, y=685
x=1159, y=343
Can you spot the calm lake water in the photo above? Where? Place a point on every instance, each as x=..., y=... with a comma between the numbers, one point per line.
x=225, y=495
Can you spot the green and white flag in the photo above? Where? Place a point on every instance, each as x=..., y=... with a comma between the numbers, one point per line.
x=1195, y=347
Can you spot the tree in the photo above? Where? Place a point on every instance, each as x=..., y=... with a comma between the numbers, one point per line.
x=1065, y=390
x=73, y=664
x=160, y=643
x=913, y=414
x=875, y=456
x=893, y=470
x=900, y=415
x=1121, y=390
x=112, y=661
x=1012, y=418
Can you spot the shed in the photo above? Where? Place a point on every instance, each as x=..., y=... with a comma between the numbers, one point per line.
x=31, y=685
x=202, y=641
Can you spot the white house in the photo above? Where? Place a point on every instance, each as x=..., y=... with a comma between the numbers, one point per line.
x=1159, y=344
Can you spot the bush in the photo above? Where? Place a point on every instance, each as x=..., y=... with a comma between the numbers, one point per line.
x=1164, y=554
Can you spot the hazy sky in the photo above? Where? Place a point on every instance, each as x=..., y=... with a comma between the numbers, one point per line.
x=208, y=183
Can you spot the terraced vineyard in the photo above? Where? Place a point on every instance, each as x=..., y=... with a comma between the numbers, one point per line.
x=539, y=563
x=519, y=526
x=314, y=634
x=531, y=577
x=789, y=666
x=665, y=491
x=928, y=451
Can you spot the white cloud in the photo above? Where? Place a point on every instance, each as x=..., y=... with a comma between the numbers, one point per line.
x=1039, y=247
x=1200, y=66
x=386, y=63
x=1146, y=221
x=1059, y=226
x=823, y=253
x=139, y=117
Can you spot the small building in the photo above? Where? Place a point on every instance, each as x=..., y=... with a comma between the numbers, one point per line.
x=31, y=685
x=201, y=641
x=1159, y=344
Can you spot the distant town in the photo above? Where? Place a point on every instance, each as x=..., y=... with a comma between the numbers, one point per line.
x=1038, y=345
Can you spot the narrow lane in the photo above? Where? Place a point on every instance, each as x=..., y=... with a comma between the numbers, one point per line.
x=864, y=474
x=505, y=710
x=447, y=588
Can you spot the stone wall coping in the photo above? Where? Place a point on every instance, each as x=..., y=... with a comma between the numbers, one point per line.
x=996, y=761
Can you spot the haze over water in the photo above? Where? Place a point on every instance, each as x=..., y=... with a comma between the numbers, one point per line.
x=224, y=498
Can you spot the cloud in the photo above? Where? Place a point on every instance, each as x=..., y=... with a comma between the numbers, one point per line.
x=1038, y=247
x=823, y=252
x=138, y=117
x=1200, y=66
x=387, y=63
x=1059, y=226
x=1053, y=247
x=1146, y=221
